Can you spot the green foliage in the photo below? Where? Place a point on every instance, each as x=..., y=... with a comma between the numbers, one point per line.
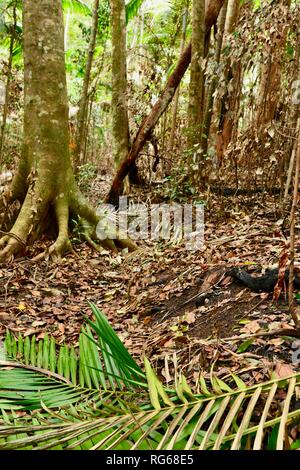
x=99, y=398
x=103, y=17
x=179, y=187
x=2, y=25
x=85, y=367
x=85, y=174
x=132, y=9
x=77, y=6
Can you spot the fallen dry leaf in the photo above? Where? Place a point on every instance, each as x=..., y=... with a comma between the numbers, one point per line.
x=251, y=327
x=283, y=370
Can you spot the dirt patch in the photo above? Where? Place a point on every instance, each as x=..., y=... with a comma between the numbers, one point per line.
x=211, y=307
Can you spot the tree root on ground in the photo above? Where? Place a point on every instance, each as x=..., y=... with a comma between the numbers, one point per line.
x=32, y=220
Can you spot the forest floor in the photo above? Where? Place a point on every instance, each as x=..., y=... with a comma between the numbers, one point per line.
x=163, y=300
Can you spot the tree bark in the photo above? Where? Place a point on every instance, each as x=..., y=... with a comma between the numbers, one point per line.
x=176, y=98
x=195, y=107
x=269, y=87
x=233, y=75
x=119, y=109
x=292, y=309
x=214, y=81
x=233, y=11
x=144, y=132
x=83, y=105
x=8, y=79
x=44, y=182
x=293, y=122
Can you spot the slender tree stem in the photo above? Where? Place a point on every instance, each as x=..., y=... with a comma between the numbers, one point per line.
x=82, y=114
x=8, y=80
x=176, y=98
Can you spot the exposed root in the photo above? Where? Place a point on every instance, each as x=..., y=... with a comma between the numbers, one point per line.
x=62, y=243
x=25, y=226
x=88, y=232
x=10, y=244
x=126, y=243
x=89, y=221
x=59, y=248
x=11, y=247
x=30, y=222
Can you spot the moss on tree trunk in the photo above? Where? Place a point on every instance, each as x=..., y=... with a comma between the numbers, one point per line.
x=44, y=182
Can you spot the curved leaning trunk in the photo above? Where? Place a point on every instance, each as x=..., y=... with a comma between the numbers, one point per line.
x=144, y=132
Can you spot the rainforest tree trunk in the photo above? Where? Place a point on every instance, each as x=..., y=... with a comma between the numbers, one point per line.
x=83, y=106
x=195, y=107
x=119, y=110
x=176, y=98
x=119, y=105
x=148, y=124
x=233, y=11
x=214, y=81
x=8, y=79
x=228, y=102
x=44, y=182
x=270, y=79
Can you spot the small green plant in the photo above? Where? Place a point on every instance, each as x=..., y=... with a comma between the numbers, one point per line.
x=85, y=174
x=179, y=187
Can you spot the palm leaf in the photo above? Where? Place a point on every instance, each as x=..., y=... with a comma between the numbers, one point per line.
x=117, y=361
x=113, y=408
x=132, y=9
x=105, y=362
x=203, y=423
x=77, y=6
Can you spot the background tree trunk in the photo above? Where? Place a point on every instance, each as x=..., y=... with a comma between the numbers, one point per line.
x=176, y=98
x=195, y=107
x=8, y=79
x=214, y=81
x=83, y=105
x=270, y=74
x=119, y=110
x=119, y=105
x=227, y=105
x=144, y=132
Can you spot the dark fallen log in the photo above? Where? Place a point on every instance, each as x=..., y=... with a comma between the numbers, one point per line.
x=264, y=283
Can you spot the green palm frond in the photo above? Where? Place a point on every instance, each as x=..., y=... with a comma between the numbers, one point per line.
x=120, y=367
x=132, y=9
x=77, y=6
x=103, y=363
x=99, y=398
x=217, y=422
